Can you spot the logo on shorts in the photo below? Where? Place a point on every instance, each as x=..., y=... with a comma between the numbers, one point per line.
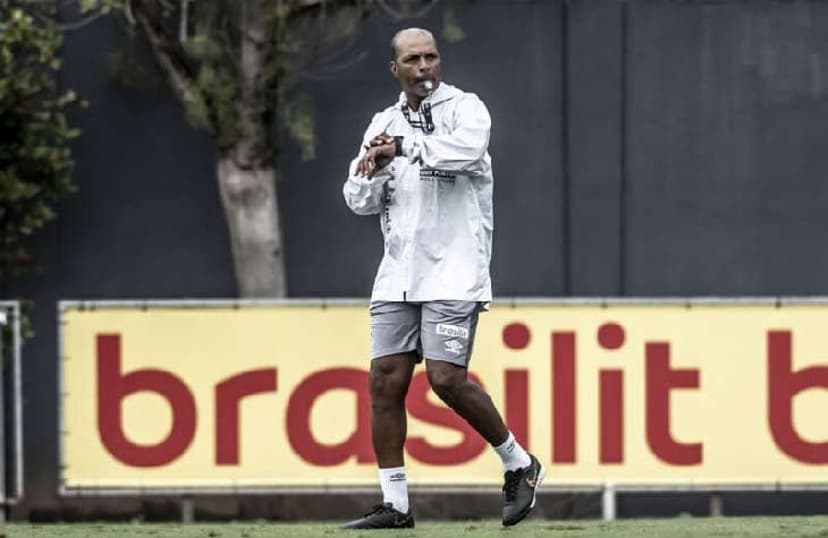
x=453, y=346
x=453, y=330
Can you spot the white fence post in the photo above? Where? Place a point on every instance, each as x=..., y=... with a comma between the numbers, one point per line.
x=716, y=508
x=3, y=500
x=608, y=502
x=187, y=509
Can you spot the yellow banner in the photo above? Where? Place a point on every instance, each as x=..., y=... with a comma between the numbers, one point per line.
x=272, y=396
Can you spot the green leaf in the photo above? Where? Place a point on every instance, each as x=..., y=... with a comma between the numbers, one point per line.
x=89, y=5
x=452, y=32
x=297, y=116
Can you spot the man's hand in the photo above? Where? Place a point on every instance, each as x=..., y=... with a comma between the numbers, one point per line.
x=379, y=153
x=380, y=140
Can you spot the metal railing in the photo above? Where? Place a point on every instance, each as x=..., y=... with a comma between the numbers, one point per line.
x=11, y=412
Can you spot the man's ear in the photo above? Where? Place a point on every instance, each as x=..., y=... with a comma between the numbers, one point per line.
x=394, y=68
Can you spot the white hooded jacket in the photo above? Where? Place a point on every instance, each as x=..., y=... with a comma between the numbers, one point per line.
x=435, y=202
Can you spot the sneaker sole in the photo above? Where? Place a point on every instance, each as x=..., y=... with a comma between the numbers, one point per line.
x=525, y=513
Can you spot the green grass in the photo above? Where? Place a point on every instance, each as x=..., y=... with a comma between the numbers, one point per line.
x=785, y=527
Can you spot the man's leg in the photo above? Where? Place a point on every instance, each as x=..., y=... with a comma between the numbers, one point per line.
x=451, y=383
x=390, y=377
x=447, y=334
x=395, y=329
x=389, y=380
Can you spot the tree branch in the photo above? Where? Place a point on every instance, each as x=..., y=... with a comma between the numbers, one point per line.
x=255, y=111
x=74, y=25
x=172, y=60
x=400, y=14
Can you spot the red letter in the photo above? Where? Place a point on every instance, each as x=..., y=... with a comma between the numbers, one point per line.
x=612, y=416
x=783, y=385
x=301, y=402
x=660, y=381
x=563, y=397
x=114, y=387
x=228, y=395
x=517, y=404
x=611, y=336
x=418, y=405
x=516, y=336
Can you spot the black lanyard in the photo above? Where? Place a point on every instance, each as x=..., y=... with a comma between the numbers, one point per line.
x=428, y=128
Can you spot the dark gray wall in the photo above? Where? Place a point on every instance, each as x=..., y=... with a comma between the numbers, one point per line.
x=697, y=148
x=640, y=148
x=726, y=148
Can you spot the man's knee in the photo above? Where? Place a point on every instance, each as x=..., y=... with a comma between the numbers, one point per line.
x=445, y=378
x=390, y=377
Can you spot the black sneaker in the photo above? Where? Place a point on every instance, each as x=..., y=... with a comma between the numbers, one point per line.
x=519, y=491
x=383, y=516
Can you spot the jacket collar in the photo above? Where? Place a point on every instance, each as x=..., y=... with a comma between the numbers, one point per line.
x=444, y=92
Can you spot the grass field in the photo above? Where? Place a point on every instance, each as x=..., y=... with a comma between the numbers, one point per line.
x=785, y=527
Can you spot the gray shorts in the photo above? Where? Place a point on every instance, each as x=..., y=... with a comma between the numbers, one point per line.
x=441, y=330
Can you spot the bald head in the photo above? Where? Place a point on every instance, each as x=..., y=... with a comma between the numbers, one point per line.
x=407, y=35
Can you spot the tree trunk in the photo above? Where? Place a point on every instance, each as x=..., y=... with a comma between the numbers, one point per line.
x=252, y=213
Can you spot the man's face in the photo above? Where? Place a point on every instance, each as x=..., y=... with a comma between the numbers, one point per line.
x=417, y=61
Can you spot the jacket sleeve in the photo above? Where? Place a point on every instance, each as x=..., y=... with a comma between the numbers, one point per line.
x=364, y=195
x=460, y=150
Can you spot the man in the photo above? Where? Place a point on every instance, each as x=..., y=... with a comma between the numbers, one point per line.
x=424, y=168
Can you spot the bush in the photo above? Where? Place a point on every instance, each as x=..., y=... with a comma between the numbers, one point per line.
x=35, y=159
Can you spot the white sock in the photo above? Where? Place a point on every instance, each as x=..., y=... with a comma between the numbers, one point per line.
x=512, y=455
x=394, y=488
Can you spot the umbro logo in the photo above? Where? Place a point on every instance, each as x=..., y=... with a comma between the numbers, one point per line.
x=453, y=346
x=397, y=477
